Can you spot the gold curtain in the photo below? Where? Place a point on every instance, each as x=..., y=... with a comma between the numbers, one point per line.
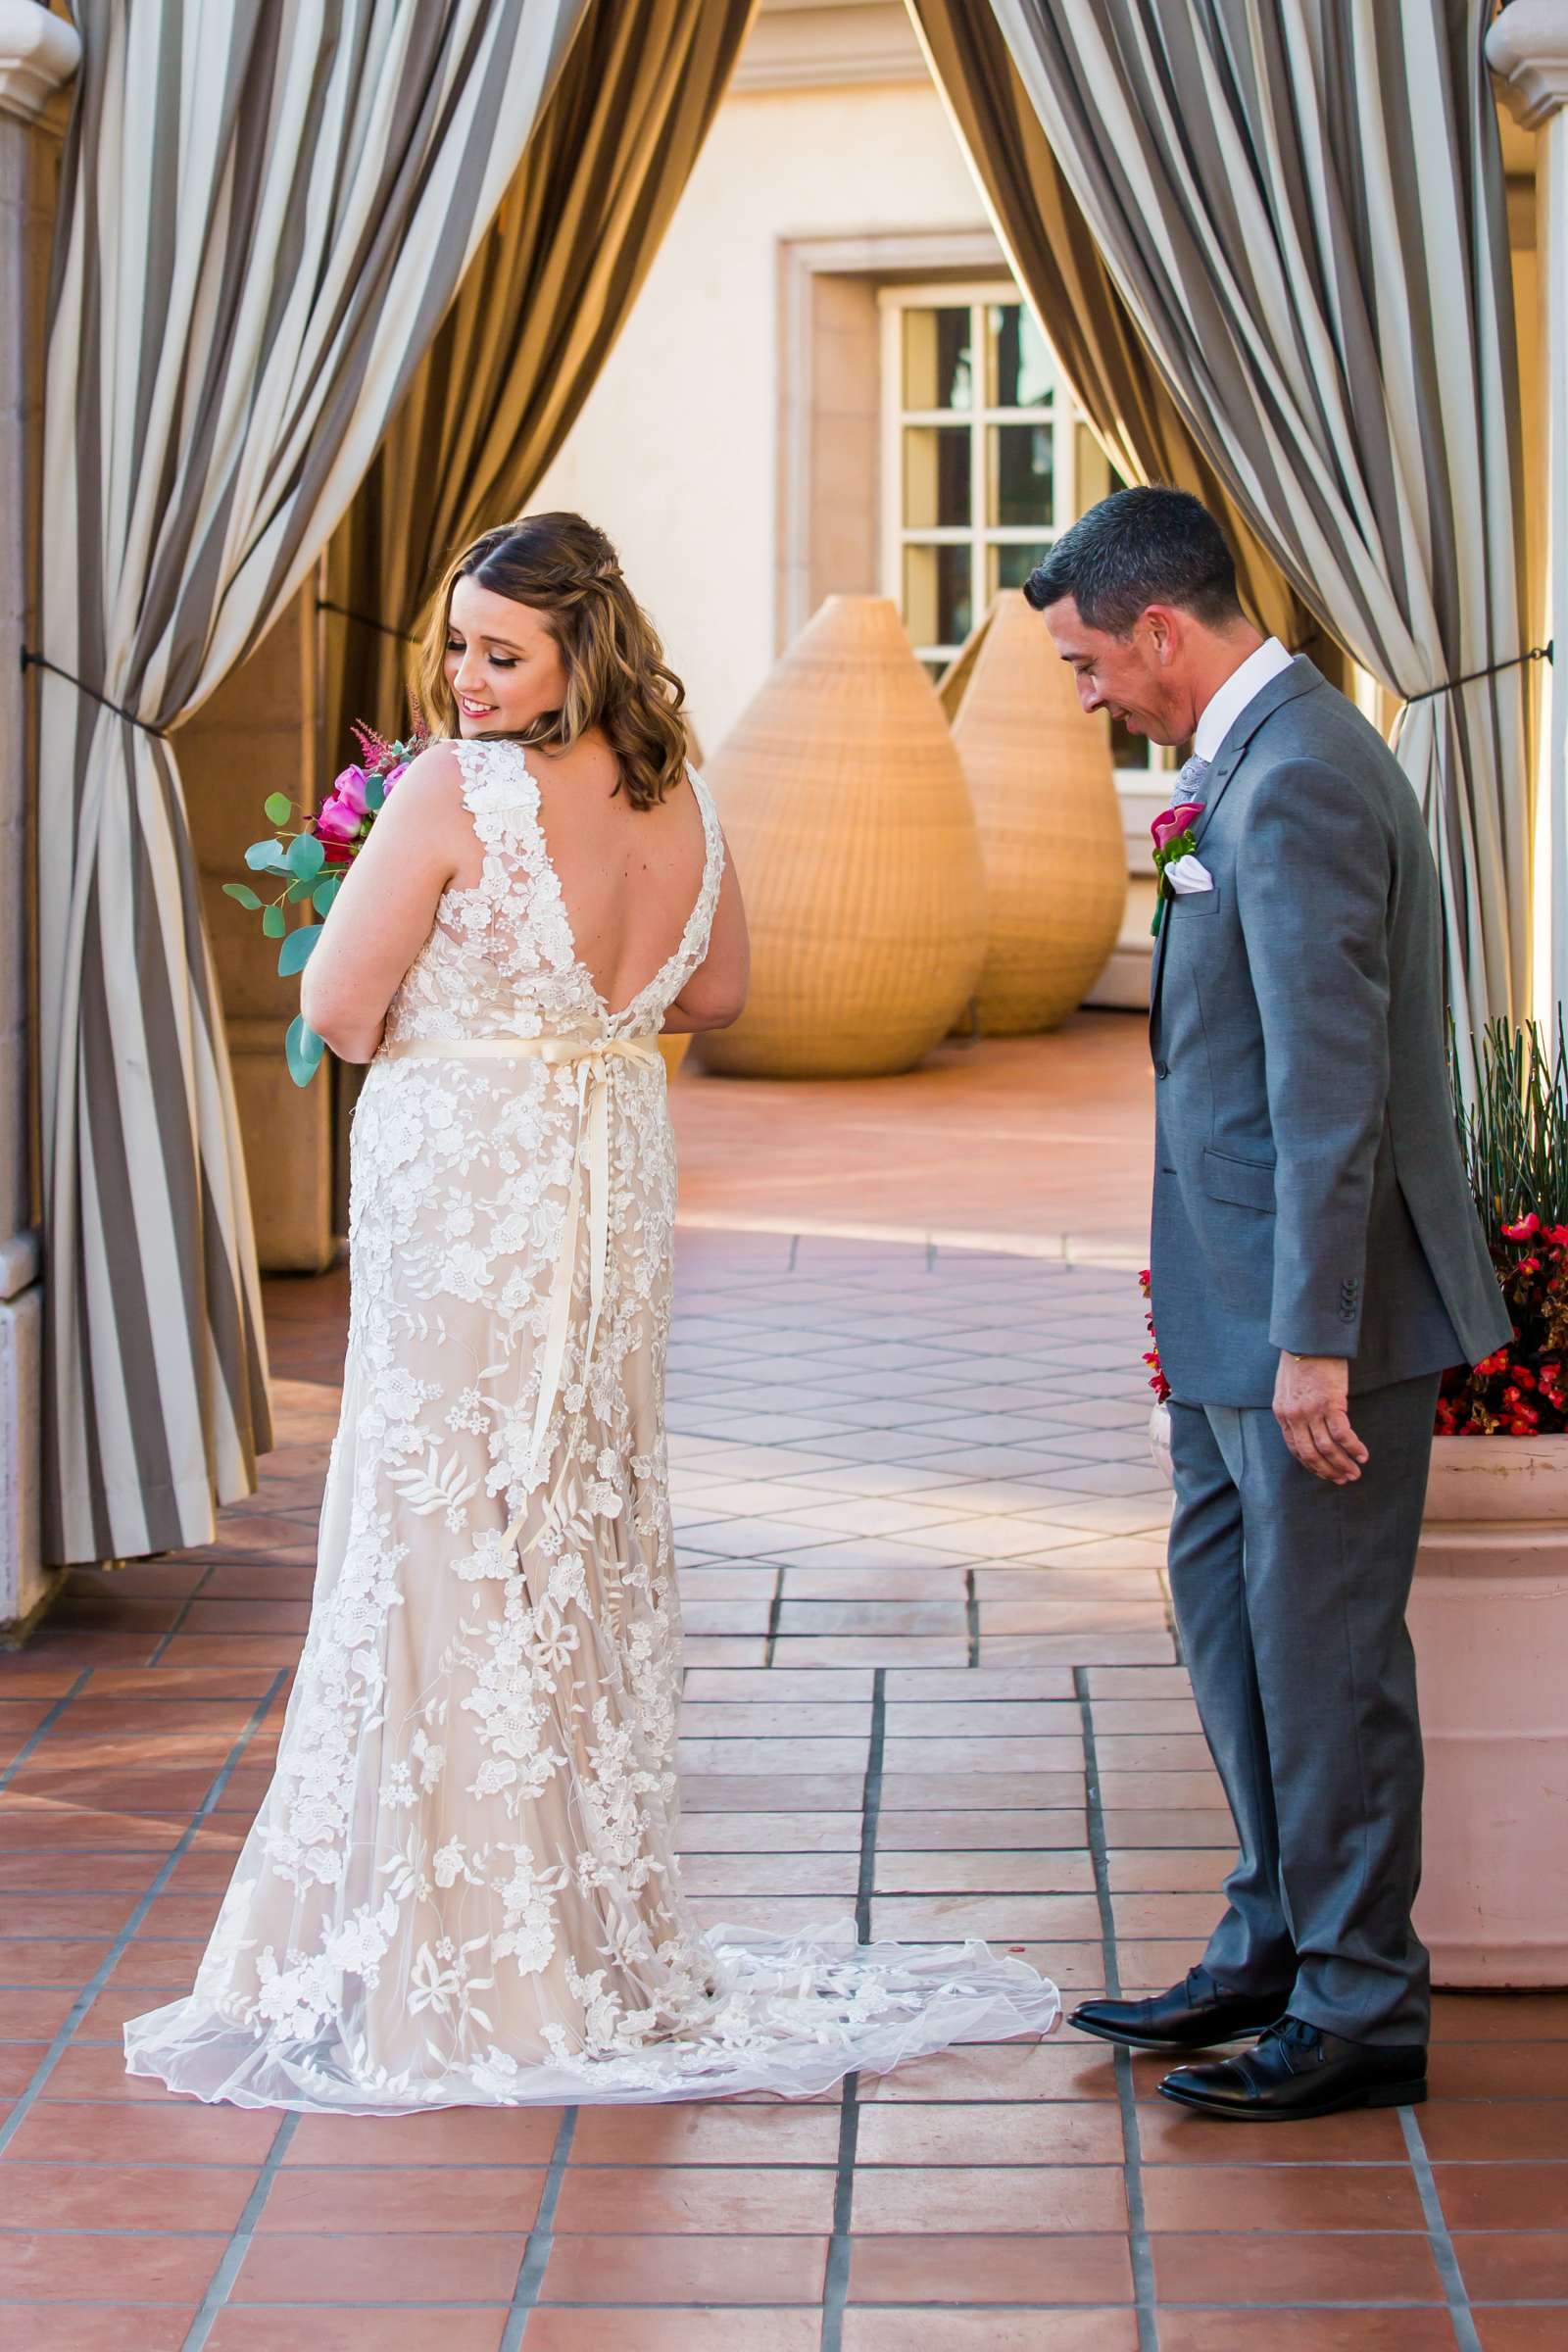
x=1058, y=263
x=516, y=355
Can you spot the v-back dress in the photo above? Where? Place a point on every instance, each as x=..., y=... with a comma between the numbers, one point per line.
x=462, y=1884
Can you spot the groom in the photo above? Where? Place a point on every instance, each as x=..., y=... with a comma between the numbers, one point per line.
x=1317, y=1262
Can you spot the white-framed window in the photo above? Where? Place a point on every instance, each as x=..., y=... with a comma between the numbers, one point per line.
x=978, y=455
x=986, y=458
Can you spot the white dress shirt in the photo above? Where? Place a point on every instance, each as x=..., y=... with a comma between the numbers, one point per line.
x=1225, y=707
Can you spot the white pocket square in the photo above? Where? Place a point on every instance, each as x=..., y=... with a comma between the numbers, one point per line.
x=1186, y=875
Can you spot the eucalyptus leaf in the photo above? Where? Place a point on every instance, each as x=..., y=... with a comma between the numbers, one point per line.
x=299, y=890
x=324, y=893
x=243, y=895
x=267, y=858
x=304, y=1049
x=306, y=856
x=296, y=951
x=279, y=807
x=375, y=793
x=273, y=922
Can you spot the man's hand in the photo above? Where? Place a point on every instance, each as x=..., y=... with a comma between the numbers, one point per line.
x=1310, y=1395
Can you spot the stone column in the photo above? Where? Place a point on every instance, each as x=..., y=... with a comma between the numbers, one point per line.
x=1527, y=49
x=38, y=56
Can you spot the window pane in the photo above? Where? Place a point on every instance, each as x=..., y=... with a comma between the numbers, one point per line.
x=1019, y=490
x=1128, y=750
x=938, y=604
x=937, y=363
x=936, y=469
x=1023, y=373
x=1010, y=566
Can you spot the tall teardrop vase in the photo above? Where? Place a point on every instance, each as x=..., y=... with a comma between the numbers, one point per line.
x=852, y=832
x=1040, y=777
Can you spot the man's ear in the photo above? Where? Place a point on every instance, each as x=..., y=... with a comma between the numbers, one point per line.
x=1163, y=624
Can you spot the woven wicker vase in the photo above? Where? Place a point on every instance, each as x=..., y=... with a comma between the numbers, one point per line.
x=1045, y=802
x=851, y=831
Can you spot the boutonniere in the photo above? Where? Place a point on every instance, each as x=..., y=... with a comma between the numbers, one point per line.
x=1178, y=868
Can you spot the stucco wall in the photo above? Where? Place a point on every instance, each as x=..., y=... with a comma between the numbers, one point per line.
x=676, y=453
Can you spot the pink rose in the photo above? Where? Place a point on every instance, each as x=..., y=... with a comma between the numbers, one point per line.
x=392, y=775
x=1171, y=821
x=349, y=787
x=338, y=820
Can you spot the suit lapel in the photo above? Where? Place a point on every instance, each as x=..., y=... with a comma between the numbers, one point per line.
x=1301, y=676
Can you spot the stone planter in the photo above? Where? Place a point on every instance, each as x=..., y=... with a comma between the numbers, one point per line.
x=1489, y=1617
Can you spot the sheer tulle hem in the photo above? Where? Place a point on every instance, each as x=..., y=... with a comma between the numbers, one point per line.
x=793, y=2015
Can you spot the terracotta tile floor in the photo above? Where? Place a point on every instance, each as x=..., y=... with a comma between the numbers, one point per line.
x=930, y=1680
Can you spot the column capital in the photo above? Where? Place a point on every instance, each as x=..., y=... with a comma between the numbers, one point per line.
x=1527, y=49
x=39, y=52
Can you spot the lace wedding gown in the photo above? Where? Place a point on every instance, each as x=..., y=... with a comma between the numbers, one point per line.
x=461, y=1887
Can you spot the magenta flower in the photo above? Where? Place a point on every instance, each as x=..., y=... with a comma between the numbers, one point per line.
x=1171, y=821
x=337, y=819
x=392, y=775
x=349, y=787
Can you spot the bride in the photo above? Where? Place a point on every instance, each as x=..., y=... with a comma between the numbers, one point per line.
x=462, y=1885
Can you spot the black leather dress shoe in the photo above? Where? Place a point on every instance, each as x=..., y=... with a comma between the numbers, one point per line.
x=1297, y=2071
x=1193, y=2016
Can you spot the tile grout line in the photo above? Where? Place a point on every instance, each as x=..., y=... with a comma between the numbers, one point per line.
x=1138, y=2247
x=46, y=1725
x=774, y=1612
x=541, y=2237
x=222, y=2283
x=156, y=1656
x=1444, y=2253
x=835, y=2276
x=102, y=1973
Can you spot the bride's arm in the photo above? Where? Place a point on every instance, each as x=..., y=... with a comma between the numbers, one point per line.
x=381, y=916
x=715, y=993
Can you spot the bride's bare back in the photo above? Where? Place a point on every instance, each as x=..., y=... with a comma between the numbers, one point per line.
x=629, y=876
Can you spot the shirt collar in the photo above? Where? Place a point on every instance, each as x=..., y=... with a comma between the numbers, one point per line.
x=1225, y=707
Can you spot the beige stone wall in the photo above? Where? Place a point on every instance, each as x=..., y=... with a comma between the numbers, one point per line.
x=681, y=444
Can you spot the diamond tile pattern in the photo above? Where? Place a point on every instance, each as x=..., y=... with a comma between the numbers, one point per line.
x=931, y=1679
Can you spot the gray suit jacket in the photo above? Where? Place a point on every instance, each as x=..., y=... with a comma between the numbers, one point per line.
x=1310, y=1192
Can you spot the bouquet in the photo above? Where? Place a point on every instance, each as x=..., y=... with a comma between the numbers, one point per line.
x=1514, y=1137
x=310, y=860
x=1157, y=1374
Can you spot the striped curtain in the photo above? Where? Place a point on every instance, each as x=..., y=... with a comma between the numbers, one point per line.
x=544, y=299
x=266, y=207
x=1301, y=205
x=1052, y=255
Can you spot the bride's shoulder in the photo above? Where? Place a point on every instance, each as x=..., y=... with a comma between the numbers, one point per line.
x=491, y=771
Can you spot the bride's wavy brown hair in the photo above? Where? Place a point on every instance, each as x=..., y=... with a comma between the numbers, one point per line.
x=617, y=677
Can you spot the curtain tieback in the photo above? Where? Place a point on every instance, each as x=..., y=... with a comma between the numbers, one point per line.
x=1537, y=652
x=366, y=620
x=32, y=661
x=590, y=1172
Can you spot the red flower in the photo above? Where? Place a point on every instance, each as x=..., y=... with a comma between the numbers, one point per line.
x=1171, y=821
x=1525, y=1230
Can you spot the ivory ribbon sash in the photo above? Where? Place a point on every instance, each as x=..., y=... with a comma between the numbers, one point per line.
x=590, y=1171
